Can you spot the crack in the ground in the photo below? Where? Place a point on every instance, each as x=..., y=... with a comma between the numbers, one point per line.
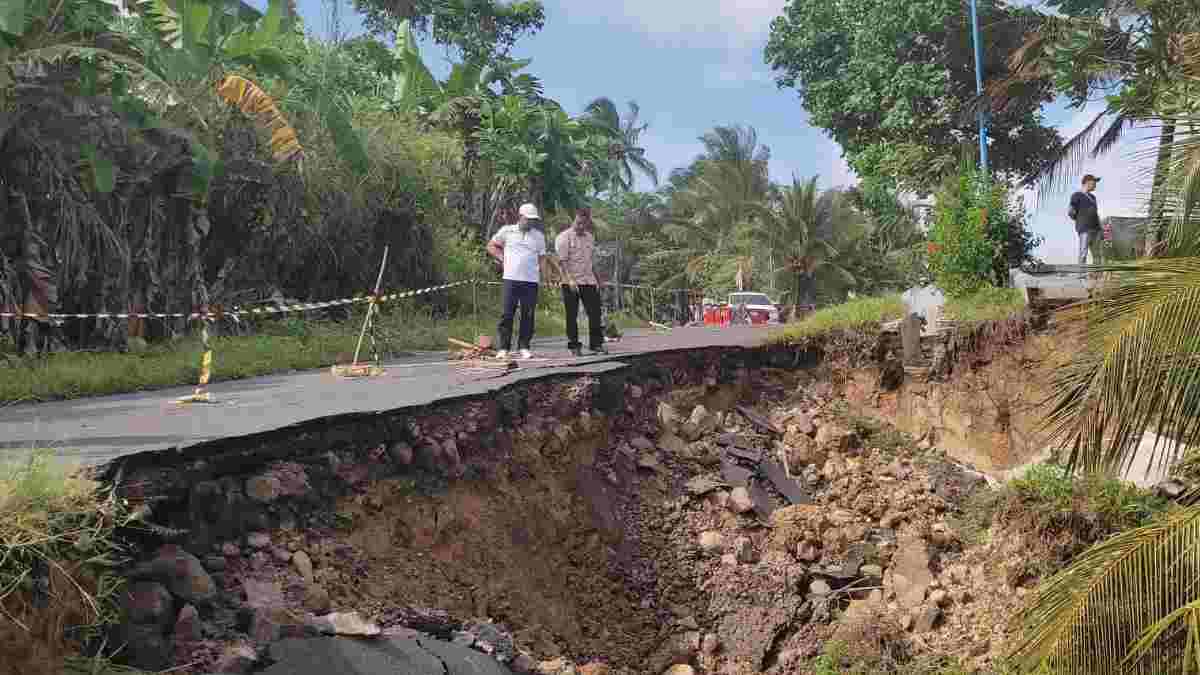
x=445, y=668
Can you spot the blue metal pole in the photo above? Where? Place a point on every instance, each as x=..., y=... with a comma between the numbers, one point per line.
x=983, y=161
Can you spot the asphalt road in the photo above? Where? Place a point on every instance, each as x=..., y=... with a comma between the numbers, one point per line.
x=95, y=430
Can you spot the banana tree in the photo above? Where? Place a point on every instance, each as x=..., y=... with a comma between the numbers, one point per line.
x=457, y=103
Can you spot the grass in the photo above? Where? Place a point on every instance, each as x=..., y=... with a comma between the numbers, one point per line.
x=281, y=345
x=55, y=529
x=989, y=304
x=858, y=314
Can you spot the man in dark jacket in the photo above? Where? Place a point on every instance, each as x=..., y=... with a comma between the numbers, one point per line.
x=1086, y=214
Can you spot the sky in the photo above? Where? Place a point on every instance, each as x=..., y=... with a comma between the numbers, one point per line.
x=694, y=64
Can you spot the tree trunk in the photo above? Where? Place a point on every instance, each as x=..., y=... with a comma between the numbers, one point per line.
x=1156, y=227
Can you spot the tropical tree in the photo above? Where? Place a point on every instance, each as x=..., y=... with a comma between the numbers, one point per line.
x=1132, y=54
x=625, y=151
x=713, y=198
x=798, y=229
x=457, y=103
x=893, y=84
x=480, y=30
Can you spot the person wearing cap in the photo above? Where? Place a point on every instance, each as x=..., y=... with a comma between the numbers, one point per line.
x=1086, y=214
x=519, y=249
x=574, y=247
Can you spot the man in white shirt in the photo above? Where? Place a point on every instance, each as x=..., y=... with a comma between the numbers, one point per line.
x=575, y=247
x=519, y=248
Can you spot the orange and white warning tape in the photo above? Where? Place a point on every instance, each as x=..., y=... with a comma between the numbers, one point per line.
x=238, y=313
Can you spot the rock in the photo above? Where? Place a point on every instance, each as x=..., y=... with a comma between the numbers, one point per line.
x=347, y=624
x=871, y=571
x=739, y=500
x=236, y=659
x=668, y=417
x=676, y=650
x=710, y=643
x=523, y=664
x=316, y=599
x=263, y=489
x=807, y=551
x=819, y=587
x=642, y=443
x=595, y=668
x=149, y=603
x=230, y=549
x=402, y=453
x=701, y=485
x=281, y=554
x=673, y=445
x=648, y=461
x=939, y=598
x=258, y=540
x=187, y=625
x=554, y=666
x=303, y=565
x=636, y=391
x=909, y=576
x=182, y=574
x=145, y=647
x=927, y=619
x=703, y=420
x=743, y=550
x=711, y=541
x=215, y=563
x=680, y=669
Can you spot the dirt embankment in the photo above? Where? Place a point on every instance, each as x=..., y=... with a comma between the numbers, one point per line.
x=716, y=511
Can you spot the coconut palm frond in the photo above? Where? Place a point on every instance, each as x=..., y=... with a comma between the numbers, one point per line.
x=1143, y=323
x=1082, y=146
x=1118, y=606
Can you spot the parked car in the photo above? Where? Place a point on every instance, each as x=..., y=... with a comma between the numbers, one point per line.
x=758, y=306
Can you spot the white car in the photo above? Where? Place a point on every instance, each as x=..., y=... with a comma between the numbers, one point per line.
x=758, y=305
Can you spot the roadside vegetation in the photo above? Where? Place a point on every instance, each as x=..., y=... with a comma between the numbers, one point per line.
x=990, y=303
x=59, y=580
x=857, y=314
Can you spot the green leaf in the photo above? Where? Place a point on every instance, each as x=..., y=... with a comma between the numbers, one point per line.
x=13, y=18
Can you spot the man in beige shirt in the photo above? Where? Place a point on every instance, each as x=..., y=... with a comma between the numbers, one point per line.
x=574, y=247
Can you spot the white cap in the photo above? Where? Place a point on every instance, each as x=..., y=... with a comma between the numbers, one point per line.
x=528, y=211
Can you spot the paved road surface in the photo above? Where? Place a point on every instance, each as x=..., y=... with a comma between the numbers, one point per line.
x=98, y=429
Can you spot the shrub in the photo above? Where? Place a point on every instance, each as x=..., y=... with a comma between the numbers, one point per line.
x=979, y=231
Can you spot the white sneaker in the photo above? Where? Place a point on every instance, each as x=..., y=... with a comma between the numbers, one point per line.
x=502, y=355
x=526, y=354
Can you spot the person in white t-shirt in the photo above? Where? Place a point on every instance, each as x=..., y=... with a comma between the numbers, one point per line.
x=519, y=248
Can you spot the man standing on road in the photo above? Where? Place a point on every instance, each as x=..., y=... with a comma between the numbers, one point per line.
x=575, y=247
x=1086, y=214
x=520, y=249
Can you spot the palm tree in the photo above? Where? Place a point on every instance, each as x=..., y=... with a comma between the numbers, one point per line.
x=800, y=228
x=722, y=189
x=625, y=150
x=1132, y=603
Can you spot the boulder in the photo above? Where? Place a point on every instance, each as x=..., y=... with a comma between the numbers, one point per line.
x=740, y=501
x=182, y=574
x=149, y=603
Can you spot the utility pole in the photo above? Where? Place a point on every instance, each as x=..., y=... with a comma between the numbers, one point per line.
x=983, y=158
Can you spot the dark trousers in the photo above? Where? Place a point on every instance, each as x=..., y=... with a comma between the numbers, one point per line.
x=525, y=294
x=591, y=303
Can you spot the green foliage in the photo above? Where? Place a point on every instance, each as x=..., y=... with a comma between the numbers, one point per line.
x=54, y=519
x=893, y=84
x=978, y=233
x=480, y=29
x=862, y=314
